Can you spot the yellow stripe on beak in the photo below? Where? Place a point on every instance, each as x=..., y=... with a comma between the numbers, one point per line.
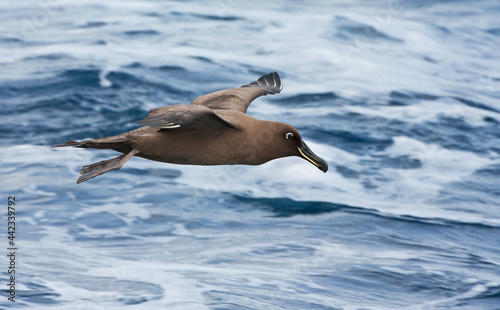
x=309, y=159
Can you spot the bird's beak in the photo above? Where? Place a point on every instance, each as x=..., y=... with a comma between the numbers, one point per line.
x=308, y=155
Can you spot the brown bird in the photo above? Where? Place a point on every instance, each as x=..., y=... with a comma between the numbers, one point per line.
x=213, y=130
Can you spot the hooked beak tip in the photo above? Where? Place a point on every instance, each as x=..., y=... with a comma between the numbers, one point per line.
x=308, y=155
x=325, y=168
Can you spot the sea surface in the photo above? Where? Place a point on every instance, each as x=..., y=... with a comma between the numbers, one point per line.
x=401, y=98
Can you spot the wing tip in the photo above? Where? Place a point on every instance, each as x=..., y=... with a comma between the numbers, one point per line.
x=270, y=82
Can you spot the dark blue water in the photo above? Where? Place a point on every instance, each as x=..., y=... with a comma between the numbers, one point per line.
x=401, y=98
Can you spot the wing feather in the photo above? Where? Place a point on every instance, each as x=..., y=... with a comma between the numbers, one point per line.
x=185, y=117
x=239, y=99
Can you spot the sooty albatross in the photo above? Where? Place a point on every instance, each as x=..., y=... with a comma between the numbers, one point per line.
x=213, y=130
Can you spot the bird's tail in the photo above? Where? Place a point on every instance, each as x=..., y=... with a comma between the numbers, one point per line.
x=93, y=170
x=118, y=143
x=101, y=143
x=70, y=143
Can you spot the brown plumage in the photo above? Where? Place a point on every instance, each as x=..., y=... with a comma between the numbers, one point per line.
x=213, y=130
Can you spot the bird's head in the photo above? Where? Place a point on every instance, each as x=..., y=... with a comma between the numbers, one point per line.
x=289, y=140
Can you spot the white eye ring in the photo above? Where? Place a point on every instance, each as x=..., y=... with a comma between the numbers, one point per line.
x=289, y=136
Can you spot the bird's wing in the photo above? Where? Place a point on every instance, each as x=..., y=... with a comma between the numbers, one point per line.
x=186, y=117
x=239, y=99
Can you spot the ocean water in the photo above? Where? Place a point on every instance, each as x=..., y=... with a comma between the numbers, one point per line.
x=401, y=98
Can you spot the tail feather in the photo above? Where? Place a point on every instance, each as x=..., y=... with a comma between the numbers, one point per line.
x=69, y=143
x=91, y=171
x=116, y=143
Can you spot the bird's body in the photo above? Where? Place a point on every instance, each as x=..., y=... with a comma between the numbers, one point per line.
x=213, y=130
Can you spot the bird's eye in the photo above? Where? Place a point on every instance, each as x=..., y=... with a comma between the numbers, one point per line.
x=289, y=136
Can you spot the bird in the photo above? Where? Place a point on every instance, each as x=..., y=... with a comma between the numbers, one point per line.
x=213, y=129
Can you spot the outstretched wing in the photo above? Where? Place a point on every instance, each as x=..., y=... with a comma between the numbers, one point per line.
x=185, y=117
x=239, y=99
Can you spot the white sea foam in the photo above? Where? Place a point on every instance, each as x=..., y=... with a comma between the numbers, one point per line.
x=127, y=212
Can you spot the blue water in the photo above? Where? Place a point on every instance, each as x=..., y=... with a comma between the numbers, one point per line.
x=402, y=99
